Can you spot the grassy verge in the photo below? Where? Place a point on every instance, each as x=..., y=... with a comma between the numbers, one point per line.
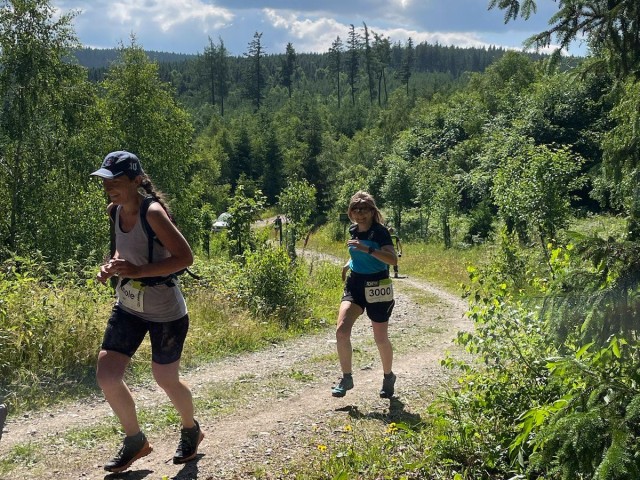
x=50, y=334
x=446, y=268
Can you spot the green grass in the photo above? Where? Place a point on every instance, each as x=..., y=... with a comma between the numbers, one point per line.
x=300, y=375
x=64, y=325
x=327, y=357
x=420, y=296
x=23, y=454
x=602, y=226
x=88, y=437
x=446, y=268
x=378, y=446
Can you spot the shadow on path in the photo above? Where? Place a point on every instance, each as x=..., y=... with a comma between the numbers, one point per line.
x=190, y=470
x=397, y=413
x=129, y=475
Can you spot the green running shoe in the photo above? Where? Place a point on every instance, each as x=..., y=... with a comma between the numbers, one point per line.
x=340, y=390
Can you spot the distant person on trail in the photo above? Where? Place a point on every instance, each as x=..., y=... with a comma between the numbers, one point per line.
x=398, y=243
x=3, y=417
x=149, y=300
x=277, y=227
x=367, y=288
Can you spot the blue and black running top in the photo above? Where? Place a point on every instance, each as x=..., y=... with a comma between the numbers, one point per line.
x=377, y=237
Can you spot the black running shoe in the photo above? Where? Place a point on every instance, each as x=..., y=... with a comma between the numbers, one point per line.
x=187, y=449
x=388, y=384
x=3, y=418
x=133, y=448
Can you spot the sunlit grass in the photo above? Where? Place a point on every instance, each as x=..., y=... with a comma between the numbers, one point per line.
x=421, y=297
x=443, y=267
x=446, y=268
x=365, y=446
x=88, y=437
x=300, y=375
x=25, y=454
x=603, y=226
x=64, y=325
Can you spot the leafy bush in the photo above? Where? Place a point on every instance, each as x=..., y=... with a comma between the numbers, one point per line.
x=46, y=328
x=481, y=415
x=273, y=286
x=480, y=224
x=551, y=397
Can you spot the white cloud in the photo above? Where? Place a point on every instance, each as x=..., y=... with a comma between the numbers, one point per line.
x=185, y=25
x=402, y=3
x=317, y=35
x=311, y=35
x=168, y=14
x=459, y=39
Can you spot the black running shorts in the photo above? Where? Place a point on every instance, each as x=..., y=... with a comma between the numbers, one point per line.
x=372, y=292
x=125, y=332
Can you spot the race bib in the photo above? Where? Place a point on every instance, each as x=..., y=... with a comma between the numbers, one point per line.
x=131, y=295
x=379, y=291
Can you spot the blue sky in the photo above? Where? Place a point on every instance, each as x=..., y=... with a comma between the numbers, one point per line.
x=185, y=26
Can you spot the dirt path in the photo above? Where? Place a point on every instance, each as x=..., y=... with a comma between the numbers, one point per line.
x=271, y=406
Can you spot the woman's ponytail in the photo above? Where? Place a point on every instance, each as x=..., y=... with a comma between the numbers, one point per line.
x=149, y=189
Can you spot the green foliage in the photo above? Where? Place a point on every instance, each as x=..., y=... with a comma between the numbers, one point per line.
x=479, y=417
x=244, y=210
x=398, y=190
x=591, y=20
x=297, y=203
x=47, y=117
x=480, y=224
x=593, y=433
x=622, y=157
x=533, y=184
x=255, y=74
x=556, y=406
x=144, y=118
x=273, y=287
x=595, y=294
x=504, y=83
x=46, y=337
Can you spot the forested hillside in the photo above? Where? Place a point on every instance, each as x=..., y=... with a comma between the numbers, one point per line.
x=427, y=58
x=461, y=148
